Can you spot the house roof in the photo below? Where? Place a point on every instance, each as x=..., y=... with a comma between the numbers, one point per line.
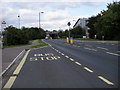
x=76, y=22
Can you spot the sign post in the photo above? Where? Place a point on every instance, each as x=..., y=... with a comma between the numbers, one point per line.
x=69, y=29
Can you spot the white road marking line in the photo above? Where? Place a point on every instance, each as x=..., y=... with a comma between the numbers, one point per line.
x=21, y=63
x=71, y=59
x=36, y=59
x=12, y=63
x=91, y=49
x=113, y=53
x=58, y=57
x=53, y=58
x=17, y=70
x=47, y=58
x=59, y=52
x=66, y=56
x=88, y=69
x=77, y=63
x=102, y=48
x=105, y=80
x=62, y=54
x=42, y=58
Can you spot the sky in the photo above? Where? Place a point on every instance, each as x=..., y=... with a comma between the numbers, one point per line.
x=56, y=13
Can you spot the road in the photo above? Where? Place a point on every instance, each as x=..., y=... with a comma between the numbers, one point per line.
x=9, y=54
x=61, y=65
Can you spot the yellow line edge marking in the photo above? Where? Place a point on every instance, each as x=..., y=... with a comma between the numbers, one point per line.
x=88, y=69
x=10, y=82
x=105, y=80
x=17, y=70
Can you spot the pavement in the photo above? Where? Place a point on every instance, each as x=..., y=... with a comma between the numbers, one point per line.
x=8, y=54
x=63, y=65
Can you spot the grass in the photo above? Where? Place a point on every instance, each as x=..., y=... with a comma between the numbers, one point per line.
x=29, y=43
x=41, y=44
x=85, y=39
x=89, y=39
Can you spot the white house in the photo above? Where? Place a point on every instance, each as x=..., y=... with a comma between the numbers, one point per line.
x=82, y=22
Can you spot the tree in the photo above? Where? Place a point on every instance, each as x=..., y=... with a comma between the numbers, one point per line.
x=92, y=20
x=76, y=32
x=108, y=24
x=14, y=36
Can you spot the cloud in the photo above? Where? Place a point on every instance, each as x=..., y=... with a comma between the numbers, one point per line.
x=57, y=0
x=56, y=15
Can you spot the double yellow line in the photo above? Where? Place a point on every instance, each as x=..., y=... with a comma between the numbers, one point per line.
x=16, y=72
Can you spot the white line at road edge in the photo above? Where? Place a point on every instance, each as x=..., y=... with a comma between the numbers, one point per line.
x=105, y=80
x=12, y=62
x=113, y=53
x=17, y=70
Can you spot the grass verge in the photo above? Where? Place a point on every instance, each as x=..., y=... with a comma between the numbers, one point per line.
x=89, y=39
x=29, y=43
x=85, y=39
x=41, y=44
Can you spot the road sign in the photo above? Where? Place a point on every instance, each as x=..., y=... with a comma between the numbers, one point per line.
x=3, y=22
x=69, y=24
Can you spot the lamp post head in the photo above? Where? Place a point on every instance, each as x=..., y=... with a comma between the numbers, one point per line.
x=69, y=24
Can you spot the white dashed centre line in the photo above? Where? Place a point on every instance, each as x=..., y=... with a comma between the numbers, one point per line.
x=88, y=69
x=77, y=63
x=105, y=80
x=66, y=56
x=102, y=48
x=113, y=53
x=91, y=49
x=71, y=59
x=42, y=58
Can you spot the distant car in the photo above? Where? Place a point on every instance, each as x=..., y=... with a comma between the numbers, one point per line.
x=46, y=38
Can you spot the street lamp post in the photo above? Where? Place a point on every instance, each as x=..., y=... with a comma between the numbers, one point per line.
x=39, y=20
x=19, y=21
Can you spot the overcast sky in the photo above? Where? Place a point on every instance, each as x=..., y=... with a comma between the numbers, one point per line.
x=56, y=13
